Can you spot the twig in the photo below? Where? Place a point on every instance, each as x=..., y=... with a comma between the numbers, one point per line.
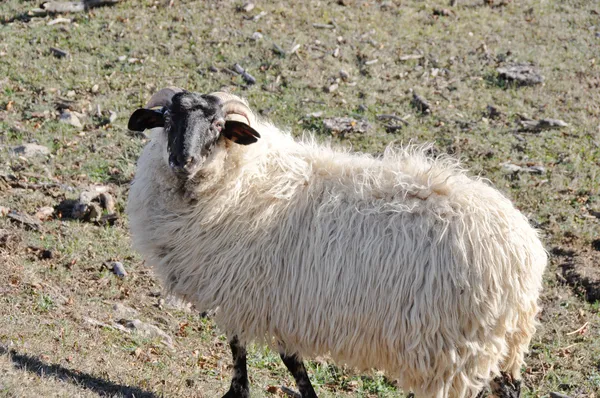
x=323, y=26
x=578, y=330
x=391, y=117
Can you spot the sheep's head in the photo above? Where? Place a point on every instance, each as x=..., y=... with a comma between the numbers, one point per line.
x=194, y=123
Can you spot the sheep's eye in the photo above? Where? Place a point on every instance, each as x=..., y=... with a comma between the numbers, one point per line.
x=219, y=124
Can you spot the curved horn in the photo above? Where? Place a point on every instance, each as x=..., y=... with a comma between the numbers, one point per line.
x=233, y=105
x=163, y=97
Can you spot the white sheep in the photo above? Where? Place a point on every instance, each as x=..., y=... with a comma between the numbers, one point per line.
x=401, y=263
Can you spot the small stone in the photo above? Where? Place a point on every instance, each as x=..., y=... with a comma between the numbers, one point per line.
x=492, y=112
x=147, y=330
x=274, y=390
x=411, y=56
x=86, y=197
x=336, y=52
x=535, y=169
x=58, y=53
x=541, y=125
x=46, y=255
x=94, y=212
x=421, y=103
x=522, y=74
x=122, y=311
x=59, y=20
x=79, y=210
x=70, y=118
x=512, y=168
x=176, y=303
x=4, y=211
x=95, y=88
x=44, y=213
x=331, y=88
x=314, y=115
x=122, y=58
x=256, y=36
x=344, y=125
x=344, y=75
x=30, y=150
x=558, y=395
x=248, y=7
x=118, y=269
x=107, y=202
x=24, y=220
x=112, y=116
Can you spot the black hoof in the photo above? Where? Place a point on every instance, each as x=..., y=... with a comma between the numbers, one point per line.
x=237, y=394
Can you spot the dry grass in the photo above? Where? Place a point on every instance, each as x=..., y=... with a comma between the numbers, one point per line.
x=49, y=349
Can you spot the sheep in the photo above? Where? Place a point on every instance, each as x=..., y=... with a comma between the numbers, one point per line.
x=401, y=263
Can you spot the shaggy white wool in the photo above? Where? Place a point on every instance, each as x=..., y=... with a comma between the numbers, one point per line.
x=401, y=263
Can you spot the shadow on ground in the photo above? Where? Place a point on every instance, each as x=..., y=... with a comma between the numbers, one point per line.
x=85, y=380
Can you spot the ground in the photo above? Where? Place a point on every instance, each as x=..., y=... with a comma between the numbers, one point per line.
x=59, y=333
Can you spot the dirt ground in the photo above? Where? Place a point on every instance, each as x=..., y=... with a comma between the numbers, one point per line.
x=69, y=81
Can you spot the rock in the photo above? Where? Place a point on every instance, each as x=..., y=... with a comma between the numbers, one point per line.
x=345, y=76
x=122, y=311
x=4, y=211
x=95, y=88
x=96, y=323
x=344, y=125
x=25, y=220
x=46, y=254
x=580, y=270
x=118, y=269
x=492, y=112
x=410, y=56
x=70, y=118
x=331, y=88
x=78, y=211
x=274, y=390
x=86, y=197
x=107, y=202
x=94, y=212
x=148, y=330
x=256, y=36
x=44, y=213
x=558, y=395
x=314, y=115
x=178, y=304
x=289, y=392
x=248, y=7
x=31, y=150
x=521, y=74
x=112, y=116
x=59, y=53
x=541, y=125
x=513, y=168
x=421, y=103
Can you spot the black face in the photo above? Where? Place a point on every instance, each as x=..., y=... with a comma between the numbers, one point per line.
x=193, y=123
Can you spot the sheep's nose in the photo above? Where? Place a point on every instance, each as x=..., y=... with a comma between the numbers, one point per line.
x=189, y=162
x=180, y=163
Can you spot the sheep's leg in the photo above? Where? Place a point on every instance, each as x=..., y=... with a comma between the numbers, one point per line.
x=240, y=387
x=297, y=369
x=504, y=386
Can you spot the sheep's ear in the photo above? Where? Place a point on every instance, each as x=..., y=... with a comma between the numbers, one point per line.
x=240, y=133
x=143, y=119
